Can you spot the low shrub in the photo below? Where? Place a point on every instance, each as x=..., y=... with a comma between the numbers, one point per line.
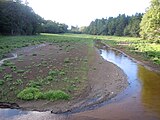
x=30, y=93
x=55, y=95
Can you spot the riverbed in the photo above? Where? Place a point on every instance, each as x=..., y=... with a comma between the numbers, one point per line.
x=140, y=100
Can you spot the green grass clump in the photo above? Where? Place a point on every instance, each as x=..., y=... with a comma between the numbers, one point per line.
x=34, y=84
x=20, y=71
x=56, y=95
x=1, y=69
x=8, y=63
x=7, y=76
x=50, y=78
x=53, y=72
x=19, y=81
x=66, y=60
x=1, y=82
x=30, y=93
x=62, y=73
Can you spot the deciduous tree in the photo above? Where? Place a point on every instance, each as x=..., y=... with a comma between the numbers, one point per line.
x=150, y=24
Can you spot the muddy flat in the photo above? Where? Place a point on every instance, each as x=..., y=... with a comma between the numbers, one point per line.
x=74, y=68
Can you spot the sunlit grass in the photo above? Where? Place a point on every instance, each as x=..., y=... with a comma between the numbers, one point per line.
x=148, y=49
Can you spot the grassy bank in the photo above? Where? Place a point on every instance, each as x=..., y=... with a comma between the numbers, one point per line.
x=145, y=49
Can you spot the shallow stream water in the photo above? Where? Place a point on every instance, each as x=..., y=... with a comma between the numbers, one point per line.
x=140, y=100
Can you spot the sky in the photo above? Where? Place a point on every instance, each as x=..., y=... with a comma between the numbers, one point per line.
x=82, y=12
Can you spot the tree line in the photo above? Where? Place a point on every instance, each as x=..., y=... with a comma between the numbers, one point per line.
x=121, y=25
x=50, y=26
x=20, y=19
x=145, y=25
x=17, y=18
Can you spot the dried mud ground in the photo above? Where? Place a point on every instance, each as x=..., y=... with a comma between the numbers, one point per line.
x=83, y=74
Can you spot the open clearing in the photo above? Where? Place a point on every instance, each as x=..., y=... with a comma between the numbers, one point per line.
x=56, y=72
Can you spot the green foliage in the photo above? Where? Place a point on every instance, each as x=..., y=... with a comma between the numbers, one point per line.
x=62, y=73
x=30, y=93
x=18, y=19
x=20, y=71
x=50, y=78
x=76, y=30
x=1, y=69
x=150, y=24
x=19, y=81
x=121, y=25
x=1, y=82
x=148, y=49
x=56, y=95
x=71, y=88
x=133, y=28
x=34, y=84
x=53, y=27
x=8, y=63
x=7, y=76
x=53, y=72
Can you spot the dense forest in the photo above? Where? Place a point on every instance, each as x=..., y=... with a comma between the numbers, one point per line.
x=18, y=18
x=49, y=26
x=120, y=26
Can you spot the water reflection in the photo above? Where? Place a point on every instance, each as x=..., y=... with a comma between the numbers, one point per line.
x=7, y=113
x=143, y=82
x=150, y=92
x=127, y=65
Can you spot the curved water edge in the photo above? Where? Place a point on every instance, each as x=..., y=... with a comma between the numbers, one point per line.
x=130, y=57
x=140, y=98
x=14, y=54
